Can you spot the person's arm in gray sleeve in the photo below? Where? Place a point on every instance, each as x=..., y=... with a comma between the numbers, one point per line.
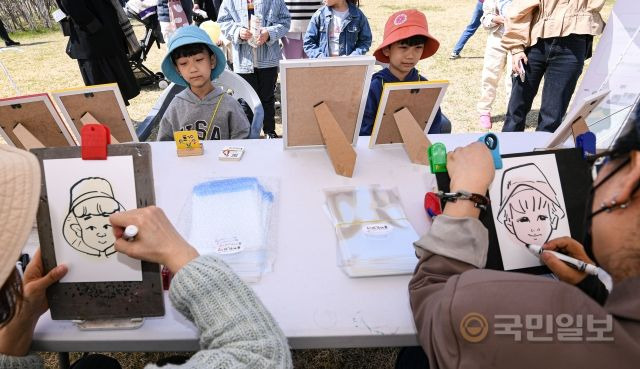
x=236, y=330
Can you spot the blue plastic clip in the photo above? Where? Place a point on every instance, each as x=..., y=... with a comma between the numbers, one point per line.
x=491, y=140
x=586, y=142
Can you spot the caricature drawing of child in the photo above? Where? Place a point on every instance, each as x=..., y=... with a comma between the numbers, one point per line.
x=529, y=208
x=87, y=228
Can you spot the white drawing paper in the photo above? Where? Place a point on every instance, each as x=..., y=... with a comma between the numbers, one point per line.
x=81, y=195
x=528, y=207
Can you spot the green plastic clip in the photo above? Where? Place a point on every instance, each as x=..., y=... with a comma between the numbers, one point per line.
x=437, y=158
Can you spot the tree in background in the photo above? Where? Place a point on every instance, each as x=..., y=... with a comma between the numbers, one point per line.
x=27, y=14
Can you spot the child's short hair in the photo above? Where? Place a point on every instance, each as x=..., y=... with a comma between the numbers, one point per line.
x=97, y=206
x=529, y=198
x=413, y=40
x=354, y=2
x=189, y=50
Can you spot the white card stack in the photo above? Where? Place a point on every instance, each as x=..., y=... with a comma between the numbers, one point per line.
x=374, y=234
x=231, y=218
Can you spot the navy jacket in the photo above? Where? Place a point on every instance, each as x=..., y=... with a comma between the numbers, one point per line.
x=355, y=38
x=440, y=123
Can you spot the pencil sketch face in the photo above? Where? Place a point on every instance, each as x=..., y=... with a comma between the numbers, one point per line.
x=81, y=196
x=87, y=228
x=95, y=231
x=528, y=206
x=530, y=218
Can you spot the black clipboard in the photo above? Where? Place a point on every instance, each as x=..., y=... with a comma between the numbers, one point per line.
x=576, y=181
x=102, y=300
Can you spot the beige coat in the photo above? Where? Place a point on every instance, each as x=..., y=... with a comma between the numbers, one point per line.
x=529, y=20
x=526, y=317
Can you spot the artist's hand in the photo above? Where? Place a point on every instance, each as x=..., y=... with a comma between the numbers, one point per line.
x=471, y=168
x=157, y=240
x=245, y=34
x=570, y=247
x=498, y=19
x=16, y=336
x=515, y=62
x=264, y=36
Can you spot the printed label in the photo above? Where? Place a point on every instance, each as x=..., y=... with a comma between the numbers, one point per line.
x=231, y=152
x=377, y=229
x=226, y=246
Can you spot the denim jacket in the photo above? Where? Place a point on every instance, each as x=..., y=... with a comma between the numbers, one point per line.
x=233, y=16
x=355, y=38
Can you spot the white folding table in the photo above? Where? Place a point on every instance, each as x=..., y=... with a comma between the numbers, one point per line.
x=314, y=302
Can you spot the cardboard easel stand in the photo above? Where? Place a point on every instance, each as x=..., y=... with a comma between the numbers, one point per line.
x=579, y=127
x=341, y=153
x=87, y=118
x=415, y=141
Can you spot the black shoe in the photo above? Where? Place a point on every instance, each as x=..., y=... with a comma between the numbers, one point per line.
x=11, y=43
x=271, y=135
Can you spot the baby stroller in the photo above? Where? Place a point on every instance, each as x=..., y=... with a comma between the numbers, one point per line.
x=144, y=11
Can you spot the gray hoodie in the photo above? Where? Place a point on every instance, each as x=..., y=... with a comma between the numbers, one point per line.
x=187, y=112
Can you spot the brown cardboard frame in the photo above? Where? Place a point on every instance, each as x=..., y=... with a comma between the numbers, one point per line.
x=26, y=138
x=104, y=102
x=341, y=83
x=37, y=115
x=422, y=99
x=87, y=118
x=415, y=141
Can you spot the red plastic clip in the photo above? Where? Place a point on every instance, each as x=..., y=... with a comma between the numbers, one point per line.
x=95, y=138
x=432, y=204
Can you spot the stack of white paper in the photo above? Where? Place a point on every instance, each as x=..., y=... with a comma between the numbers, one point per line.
x=230, y=218
x=374, y=235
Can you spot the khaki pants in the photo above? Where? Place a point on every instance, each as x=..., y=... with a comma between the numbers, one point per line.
x=496, y=60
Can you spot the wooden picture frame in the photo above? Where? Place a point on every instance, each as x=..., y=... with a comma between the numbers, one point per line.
x=342, y=84
x=32, y=121
x=575, y=123
x=101, y=300
x=421, y=98
x=102, y=102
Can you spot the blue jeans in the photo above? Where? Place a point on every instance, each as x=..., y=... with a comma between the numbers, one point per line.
x=470, y=30
x=560, y=61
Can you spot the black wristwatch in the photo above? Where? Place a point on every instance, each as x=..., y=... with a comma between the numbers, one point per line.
x=479, y=201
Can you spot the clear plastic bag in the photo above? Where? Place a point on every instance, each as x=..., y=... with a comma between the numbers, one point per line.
x=374, y=235
x=236, y=220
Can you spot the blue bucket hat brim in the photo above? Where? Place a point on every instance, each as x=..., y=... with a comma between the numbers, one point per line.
x=191, y=35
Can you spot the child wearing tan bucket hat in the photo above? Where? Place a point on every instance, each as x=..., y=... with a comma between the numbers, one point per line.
x=406, y=41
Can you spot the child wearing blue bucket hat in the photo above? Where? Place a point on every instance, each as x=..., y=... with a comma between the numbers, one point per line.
x=194, y=61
